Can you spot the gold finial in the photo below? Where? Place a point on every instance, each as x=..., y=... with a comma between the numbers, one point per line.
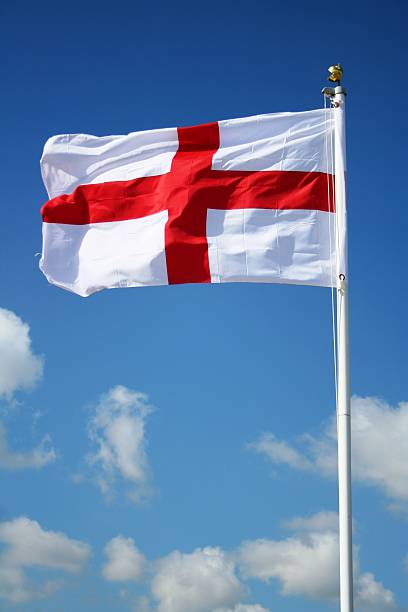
x=336, y=73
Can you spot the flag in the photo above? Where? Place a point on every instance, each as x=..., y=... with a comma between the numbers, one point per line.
x=241, y=200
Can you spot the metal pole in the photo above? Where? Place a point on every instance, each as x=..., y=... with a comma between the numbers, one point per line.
x=343, y=359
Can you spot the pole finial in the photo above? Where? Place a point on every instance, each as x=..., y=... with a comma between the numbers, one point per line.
x=335, y=73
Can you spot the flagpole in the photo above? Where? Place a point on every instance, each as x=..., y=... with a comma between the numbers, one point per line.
x=338, y=102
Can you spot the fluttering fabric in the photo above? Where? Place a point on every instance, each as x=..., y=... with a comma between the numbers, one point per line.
x=243, y=200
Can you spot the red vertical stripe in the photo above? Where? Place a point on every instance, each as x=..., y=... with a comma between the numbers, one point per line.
x=188, y=200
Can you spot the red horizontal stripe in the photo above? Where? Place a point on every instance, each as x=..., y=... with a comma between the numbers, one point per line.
x=217, y=189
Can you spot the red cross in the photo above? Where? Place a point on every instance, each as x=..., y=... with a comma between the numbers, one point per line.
x=187, y=192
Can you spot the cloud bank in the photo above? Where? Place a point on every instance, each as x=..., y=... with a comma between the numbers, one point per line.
x=20, y=367
x=201, y=581
x=117, y=431
x=27, y=545
x=379, y=447
x=210, y=579
x=124, y=561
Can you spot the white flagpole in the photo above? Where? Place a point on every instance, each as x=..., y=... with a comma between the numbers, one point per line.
x=343, y=355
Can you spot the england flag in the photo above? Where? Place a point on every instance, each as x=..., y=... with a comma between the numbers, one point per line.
x=242, y=200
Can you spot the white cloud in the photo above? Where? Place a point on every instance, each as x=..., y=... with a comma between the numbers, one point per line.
x=305, y=567
x=38, y=457
x=307, y=564
x=279, y=451
x=321, y=521
x=202, y=581
x=28, y=545
x=20, y=367
x=117, y=429
x=125, y=562
x=143, y=604
x=379, y=447
x=371, y=595
x=244, y=608
x=213, y=580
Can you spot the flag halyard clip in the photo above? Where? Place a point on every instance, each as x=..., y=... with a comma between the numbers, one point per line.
x=342, y=283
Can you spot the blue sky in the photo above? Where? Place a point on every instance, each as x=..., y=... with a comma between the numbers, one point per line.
x=237, y=374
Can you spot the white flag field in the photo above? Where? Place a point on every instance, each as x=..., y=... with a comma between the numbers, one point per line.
x=241, y=200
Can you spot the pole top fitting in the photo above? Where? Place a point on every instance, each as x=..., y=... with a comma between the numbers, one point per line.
x=335, y=73
x=335, y=76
